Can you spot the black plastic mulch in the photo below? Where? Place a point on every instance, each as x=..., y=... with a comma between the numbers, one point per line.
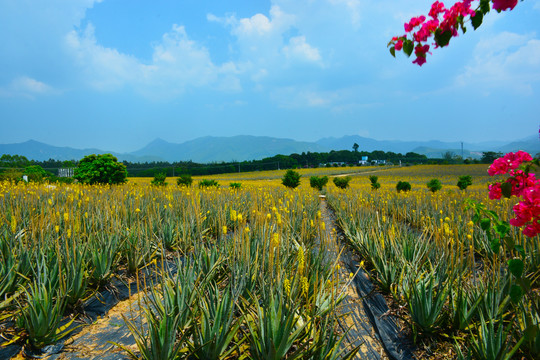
x=115, y=291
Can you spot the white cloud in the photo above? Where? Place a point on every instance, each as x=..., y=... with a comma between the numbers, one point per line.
x=28, y=87
x=105, y=68
x=177, y=63
x=504, y=61
x=299, y=49
x=301, y=97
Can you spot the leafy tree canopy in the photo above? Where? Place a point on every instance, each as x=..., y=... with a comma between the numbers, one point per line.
x=100, y=169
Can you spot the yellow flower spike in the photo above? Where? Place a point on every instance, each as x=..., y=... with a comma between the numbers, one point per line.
x=239, y=217
x=57, y=228
x=66, y=217
x=305, y=286
x=300, y=259
x=224, y=230
x=287, y=286
x=323, y=225
x=137, y=210
x=233, y=215
x=69, y=233
x=268, y=216
x=13, y=224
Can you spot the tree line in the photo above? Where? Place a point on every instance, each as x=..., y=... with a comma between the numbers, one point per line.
x=277, y=162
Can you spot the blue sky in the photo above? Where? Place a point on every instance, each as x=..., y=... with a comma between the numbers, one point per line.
x=116, y=74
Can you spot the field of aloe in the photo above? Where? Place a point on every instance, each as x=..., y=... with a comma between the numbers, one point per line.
x=253, y=272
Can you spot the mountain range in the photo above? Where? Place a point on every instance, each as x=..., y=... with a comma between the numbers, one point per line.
x=244, y=147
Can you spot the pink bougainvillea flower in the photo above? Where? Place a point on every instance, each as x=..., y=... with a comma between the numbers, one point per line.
x=502, y=5
x=495, y=191
x=528, y=211
x=508, y=162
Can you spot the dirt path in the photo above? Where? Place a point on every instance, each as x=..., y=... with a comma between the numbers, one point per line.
x=367, y=321
x=96, y=340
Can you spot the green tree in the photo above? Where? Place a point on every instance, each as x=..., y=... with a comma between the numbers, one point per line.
x=434, y=185
x=342, y=182
x=464, y=182
x=206, y=183
x=184, y=179
x=291, y=179
x=374, y=182
x=35, y=173
x=318, y=182
x=100, y=169
x=403, y=186
x=489, y=156
x=159, y=179
x=355, y=147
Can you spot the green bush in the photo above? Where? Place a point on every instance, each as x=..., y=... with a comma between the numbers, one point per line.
x=434, y=185
x=100, y=169
x=235, y=185
x=60, y=180
x=185, y=180
x=403, y=186
x=342, y=182
x=318, y=182
x=464, y=182
x=159, y=179
x=13, y=175
x=35, y=173
x=291, y=179
x=208, y=183
x=374, y=182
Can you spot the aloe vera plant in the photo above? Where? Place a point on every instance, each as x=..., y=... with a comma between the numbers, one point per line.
x=102, y=254
x=137, y=251
x=492, y=341
x=75, y=277
x=41, y=316
x=217, y=335
x=464, y=307
x=163, y=340
x=273, y=330
x=426, y=303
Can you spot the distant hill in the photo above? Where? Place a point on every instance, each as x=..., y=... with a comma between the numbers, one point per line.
x=35, y=150
x=243, y=147
x=530, y=145
x=433, y=148
x=236, y=148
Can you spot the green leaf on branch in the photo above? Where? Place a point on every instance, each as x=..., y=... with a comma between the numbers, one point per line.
x=509, y=243
x=516, y=293
x=485, y=223
x=442, y=38
x=506, y=189
x=484, y=6
x=476, y=20
x=502, y=229
x=408, y=47
x=516, y=267
x=393, y=51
